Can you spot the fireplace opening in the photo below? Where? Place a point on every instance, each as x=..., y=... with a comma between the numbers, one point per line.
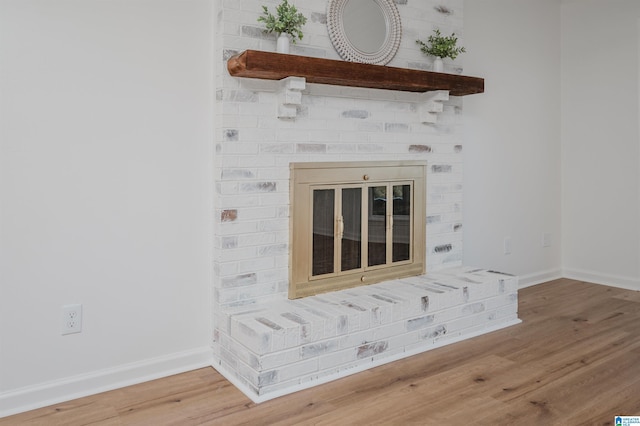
x=355, y=223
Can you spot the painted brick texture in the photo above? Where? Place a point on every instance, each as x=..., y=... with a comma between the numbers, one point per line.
x=268, y=342
x=278, y=345
x=254, y=147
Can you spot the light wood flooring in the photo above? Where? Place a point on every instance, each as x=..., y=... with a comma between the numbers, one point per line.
x=575, y=360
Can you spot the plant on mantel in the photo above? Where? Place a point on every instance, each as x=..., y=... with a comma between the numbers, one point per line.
x=441, y=47
x=287, y=20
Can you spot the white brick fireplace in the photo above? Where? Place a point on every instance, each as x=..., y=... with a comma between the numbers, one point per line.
x=268, y=345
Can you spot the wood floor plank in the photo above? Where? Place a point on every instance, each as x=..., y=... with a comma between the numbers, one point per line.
x=572, y=395
x=438, y=394
x=575, y=360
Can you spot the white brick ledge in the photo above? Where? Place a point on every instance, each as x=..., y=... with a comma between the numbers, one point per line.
x=270, y=349
x=431, y=105
x=290, y=96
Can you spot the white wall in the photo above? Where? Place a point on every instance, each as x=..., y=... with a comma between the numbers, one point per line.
x=512, y=144
x=105, y=165
x=601, y=156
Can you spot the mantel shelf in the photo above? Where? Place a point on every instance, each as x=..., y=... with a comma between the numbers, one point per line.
x=277, y=66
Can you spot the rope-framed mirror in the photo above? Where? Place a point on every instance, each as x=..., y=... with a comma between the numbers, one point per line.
x=367, y=31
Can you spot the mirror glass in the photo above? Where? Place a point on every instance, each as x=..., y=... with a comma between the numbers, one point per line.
x=364, y=25
x=367, y=31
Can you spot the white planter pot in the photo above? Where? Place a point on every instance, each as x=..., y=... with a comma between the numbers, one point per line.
x=283, y=44
x=438, y=65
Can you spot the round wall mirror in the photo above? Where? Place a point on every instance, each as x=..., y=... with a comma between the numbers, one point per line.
x=367, y=31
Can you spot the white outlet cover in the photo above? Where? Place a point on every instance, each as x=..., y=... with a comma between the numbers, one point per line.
x=507, y=245
x=71, y=319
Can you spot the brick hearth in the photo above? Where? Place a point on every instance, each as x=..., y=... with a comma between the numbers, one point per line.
x=274, y=348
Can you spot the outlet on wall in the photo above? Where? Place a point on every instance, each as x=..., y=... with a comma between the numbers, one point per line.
x=546, y=239
x=71, y=319
x=507, y=245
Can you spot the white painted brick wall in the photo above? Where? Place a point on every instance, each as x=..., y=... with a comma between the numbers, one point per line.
x=253, y=150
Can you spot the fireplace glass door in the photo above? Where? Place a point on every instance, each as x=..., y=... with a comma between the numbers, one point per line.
x=350, y=226
x=340, y=241
x=352, y=229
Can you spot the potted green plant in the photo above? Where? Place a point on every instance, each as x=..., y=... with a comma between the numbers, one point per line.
x=441, y=47
x=287, y=23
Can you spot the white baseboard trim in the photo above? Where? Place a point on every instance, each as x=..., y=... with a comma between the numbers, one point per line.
x=249, y=393
x=45, y=394
x=626, y=283
x=538, y=278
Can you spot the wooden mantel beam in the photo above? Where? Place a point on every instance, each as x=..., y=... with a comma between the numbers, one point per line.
x=276, y=66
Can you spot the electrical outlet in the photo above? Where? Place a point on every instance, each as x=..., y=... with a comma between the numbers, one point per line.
x=546, y=239
x=507, y=245
x=71, y=319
